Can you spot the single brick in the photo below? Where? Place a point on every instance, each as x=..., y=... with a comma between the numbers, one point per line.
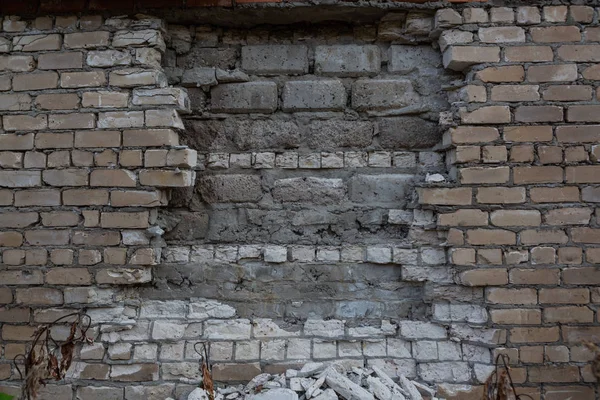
x=472, y=134
x=150, y=137
x=512, y=296
x=58, y=101
x=484, y=277
x=516, y=93
x=511, y=73
x=554, y=195
x=538, y=114
x=564, y=296
x=132, y=77
x=484, y=175
x=534, y=335
x=62, y=60
x=167, y=178
x=556, y=34
x=258, y=96
x=80, y=197
x=104, y=99
x=567, y=93
x=579, y=52
x=82, y=79
x=490, y=237
x=319, y=95
x=130, y=220
x=115, y=177
x=528, y=54
x=502, y=34
x=86, y=40
x=458, y=58
x=17, y=63
x=35, y=81
x=13, y=141
x=347, y=60
x=552, y=73
x=528, y=133
x=445, y=196
x=583, y=174
x=65, y=177
x=275, y=59
x=487, y=115
x=37, y=42
x=517, y=316
x=536, y=237
x=516, y=218
x=72, y=121
x=500, y=195
x=121, y=119
x=380, y=94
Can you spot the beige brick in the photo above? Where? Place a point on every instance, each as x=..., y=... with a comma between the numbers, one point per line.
x=500, y=195
x=484, y=277
x=516, y=218
x=487, y=115
x=550, y=154
x=43, y=237
x=458, y=58
x=150, y=137
x=579, y=52
x=132, y=77
x=91, y=218
x=21, y=277
x=5, y=82
x=567, y=93
x=515, y=93
x=473, y=134
x=445, y=196
x=86, y=40
x=490, y=237
x=543, y=255
x=489, y=256
x=61, y=256
x=570, y=255
x=121, y=119
x=37, y=197
x=528, y=54
x=513, y=73
x=34, y=159
x=167, y=178
x=555, y=13
x=581, y=276
x=60, y=218
x=517, y=316
x=583, y=174
x=552, y=73
x=17, y=332
x=528, y=15
x=123, y=276
x=59, y=159
x=534, y=335
x=35, y=81
x=25, y=122
x=583, y=14
x=62, y=60
x=108, y=58
x=113, y=177
x=6, y=197
x=585, y=235
x=536, y=237
x=564, y=296
x=104, y=99
x=106, y=158
x=475, y=15
x=522, y=154
x=97, y=238
x=137, y=198
x=59, y=101
x=539, y=114
x=124, y=219
x=512, y=296
x=18, y=219
x=13, y=141
x=39, y=296
x=20, y=179
x=17, y=63
x=155, y=158
x=115, y=256
x=568, y=216
x=186, y=158
x=72, y=121
x=579, y=333
x=466, y=154
x=68, y=276
x=494, y=154
x=163, y=118
x=553, y=34
x=89, y=257
x=130, y=158
x=484, y=175
x=527, y=175
x=85, y=139
x=82, y=197
x=54, y=140
x=5, y=296
x=37, y=42
x=15, y=314
x=462, y=256
x=569, y=392
x=554, y=194
x=530, y=276
x=576, y=154
x=13, y=257
x=592, y=34
x=502, y=34
x=502, y=14
x=463, y=218
x=82, y=79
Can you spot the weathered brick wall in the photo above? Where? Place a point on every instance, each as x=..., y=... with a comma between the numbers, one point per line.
x=310, y=231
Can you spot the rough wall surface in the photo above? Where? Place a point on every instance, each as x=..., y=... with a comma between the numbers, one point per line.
x=300, y=224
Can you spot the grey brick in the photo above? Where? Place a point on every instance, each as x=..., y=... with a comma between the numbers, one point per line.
x=386, y=188
x=314, y=95
x=244, y=97
x=348, y=60
x=406, y=58
x=383, y=94
x=408, y=133
x=275, y=59
x=311, y=189
x=230, y=188
x=200, y=76
x=590, y=194
x=333, y=134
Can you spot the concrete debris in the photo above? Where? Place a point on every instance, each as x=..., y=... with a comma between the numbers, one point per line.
x=320, y=381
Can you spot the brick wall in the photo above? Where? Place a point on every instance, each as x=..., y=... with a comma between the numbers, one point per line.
x=311, y=231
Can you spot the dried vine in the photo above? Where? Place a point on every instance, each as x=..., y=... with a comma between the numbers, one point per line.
x=206, y=370
x=48, y=359
x=500, y=386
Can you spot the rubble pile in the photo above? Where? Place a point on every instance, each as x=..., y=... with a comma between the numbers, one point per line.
x=318, y=381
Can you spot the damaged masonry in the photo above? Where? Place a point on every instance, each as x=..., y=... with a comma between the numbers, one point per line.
x=344, y=200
